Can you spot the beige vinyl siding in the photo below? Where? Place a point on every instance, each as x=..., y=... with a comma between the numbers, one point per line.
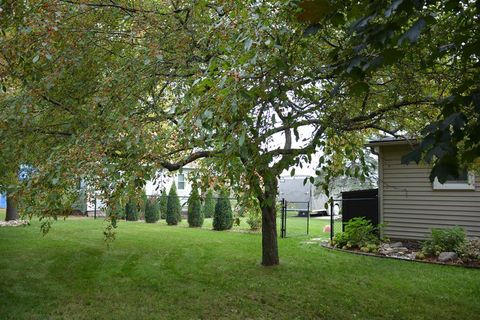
x=410, y=207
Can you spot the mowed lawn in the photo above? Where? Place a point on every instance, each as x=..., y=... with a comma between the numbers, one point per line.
x=153, y=271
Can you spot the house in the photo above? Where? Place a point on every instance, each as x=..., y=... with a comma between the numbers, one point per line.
x=162, y=182
x=410, y=205
x=300, y=196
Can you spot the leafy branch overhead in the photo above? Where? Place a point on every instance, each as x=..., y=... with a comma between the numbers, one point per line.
x=439, y=38
x=109, y=92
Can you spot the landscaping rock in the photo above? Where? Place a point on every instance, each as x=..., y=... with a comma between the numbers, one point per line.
x=13, y=223
x=447, y=256
x=396, y=245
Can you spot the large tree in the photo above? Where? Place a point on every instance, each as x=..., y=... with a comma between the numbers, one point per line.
x=437, y=43
x=125, y=87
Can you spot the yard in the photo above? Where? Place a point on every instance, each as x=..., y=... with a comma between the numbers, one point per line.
x=157, y=271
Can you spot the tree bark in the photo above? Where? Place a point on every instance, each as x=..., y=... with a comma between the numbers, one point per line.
x=269, y=236
x=269, y=224
x=12, y=213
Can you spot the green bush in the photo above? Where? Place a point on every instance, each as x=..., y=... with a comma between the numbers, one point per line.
x=250, y=208
x=471, y=251
x=174, y=209
x=131, y=210
x=152, y=211
x=359, y=233
x=445, y=240
x=209, y=205
x=162, y=203
x=143, y=206
x=195, y=214
x=223, y=217
x=116, y=210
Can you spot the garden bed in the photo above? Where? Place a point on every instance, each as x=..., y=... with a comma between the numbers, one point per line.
x=408, y=255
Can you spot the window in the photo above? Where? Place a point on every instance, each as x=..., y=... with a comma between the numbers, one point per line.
x=181, y=181
x=464, y=181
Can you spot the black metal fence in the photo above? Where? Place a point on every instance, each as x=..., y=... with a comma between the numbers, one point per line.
x=294, y=218
x=353, y=204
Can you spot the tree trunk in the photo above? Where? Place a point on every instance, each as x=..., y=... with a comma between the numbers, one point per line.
x=269, y=224
x=269, y=236
x=12, y=213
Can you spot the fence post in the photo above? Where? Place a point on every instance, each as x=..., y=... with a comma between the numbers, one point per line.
x=308, y=219
x=331, y=220
x=95, y=207
x=282, y=228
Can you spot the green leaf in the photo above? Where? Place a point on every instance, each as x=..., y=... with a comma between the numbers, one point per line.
x=312, y=29
x=241, y=139
x=359, y=88
x=414, y=32
x=395, y=4
x=207, y=114
x=314, y=10
x=248, y=44
x=292, y=172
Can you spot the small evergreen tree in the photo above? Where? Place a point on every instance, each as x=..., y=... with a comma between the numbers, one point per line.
x=116, y=210
x=223, y=217
x=152, y=211
x=131, y=211
x=174, y=209
x=209, y=205
x=143, y=205
x=195, y=214
x=162, y=202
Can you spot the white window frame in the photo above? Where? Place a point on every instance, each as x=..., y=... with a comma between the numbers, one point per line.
x=178, y=181
x=455, y=185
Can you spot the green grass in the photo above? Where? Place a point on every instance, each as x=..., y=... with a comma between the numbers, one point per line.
x=153, y=271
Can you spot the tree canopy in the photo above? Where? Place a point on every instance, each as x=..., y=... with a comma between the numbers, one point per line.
x=110, y=91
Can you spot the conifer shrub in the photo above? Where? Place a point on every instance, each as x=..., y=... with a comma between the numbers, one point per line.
x=116, y=210
x=174, y=209
x=195, y=214
x=223, y=217
x=209, y=205
x=152, y=211
x=162, y=202
x=143, y=205
x=131, y=210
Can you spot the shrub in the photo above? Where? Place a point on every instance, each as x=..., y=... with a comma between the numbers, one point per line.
x=195, y=214
x=471, y=251
x=445, y=240
x=254, y=219
x=162, y=203
x=209, y=205
x=152, y=211
x=116, y=210
x=174, y=209
x=251, y=209
x=131, y=211
x=359, y=233
x=223, y=218
x=143, y=206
